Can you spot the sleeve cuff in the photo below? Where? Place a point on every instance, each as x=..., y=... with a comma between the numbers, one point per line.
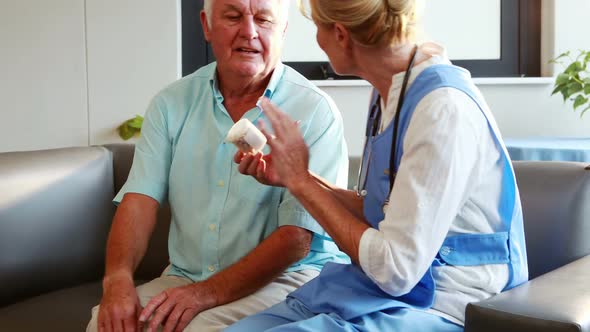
x=143, y=187
x=295, y=217
x=367, y=238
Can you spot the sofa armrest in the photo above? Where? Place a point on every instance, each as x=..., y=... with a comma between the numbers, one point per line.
x=556, y=301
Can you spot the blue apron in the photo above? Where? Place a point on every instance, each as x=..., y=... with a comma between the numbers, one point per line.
x=345, y=290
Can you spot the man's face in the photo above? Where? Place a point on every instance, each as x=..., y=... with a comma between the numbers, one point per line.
x=246, y=36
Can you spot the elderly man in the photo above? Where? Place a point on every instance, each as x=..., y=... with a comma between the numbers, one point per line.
x=236, y=247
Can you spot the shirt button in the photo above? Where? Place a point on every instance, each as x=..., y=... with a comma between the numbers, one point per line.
x=220, y=183
x=212, y=227
x=211, y=268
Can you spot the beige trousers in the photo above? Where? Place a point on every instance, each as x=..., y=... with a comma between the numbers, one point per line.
x=220, y=317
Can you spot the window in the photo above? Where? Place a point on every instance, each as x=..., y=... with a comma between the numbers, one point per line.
x=196, y=52
x=518, y=52
x=520, y=43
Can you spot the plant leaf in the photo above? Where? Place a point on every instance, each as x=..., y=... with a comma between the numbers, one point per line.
x=564, y=93
x=562, y=78
x=125, y=132
x=584, y=110
x=130, y=127
x=564, y=54
x=558, y=88
x=574, y=88
x=574, y=68
x=135, y=122
x=579, y=101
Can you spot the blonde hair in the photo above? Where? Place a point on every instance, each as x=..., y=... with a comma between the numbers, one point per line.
x=370, y=22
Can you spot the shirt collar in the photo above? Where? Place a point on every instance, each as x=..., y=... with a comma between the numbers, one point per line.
x=277, y=74
x=275, y=78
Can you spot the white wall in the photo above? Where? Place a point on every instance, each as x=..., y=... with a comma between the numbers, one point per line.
x=42, y=74
x=133, y=52
x=72, y=70
x=124, y=51
x=443, y=21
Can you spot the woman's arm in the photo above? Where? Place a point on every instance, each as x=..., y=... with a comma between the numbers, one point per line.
x=328, y=207
x=348, y=198
x=262, y=169
x=290, y=168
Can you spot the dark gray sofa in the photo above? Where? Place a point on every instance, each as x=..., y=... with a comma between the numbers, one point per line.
x=55, y=214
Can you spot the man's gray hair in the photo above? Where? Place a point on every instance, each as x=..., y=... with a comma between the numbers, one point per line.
x=208, y=8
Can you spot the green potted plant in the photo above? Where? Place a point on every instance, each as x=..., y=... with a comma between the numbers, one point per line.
x=130, y=128
x=574, y=82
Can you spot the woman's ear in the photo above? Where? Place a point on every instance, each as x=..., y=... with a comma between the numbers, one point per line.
x=342, y=35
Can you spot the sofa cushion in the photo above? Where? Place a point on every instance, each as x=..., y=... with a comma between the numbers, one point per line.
x=554, y=302
x=55, y=214
x=64, y=310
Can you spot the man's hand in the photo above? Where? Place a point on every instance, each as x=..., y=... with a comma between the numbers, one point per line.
x=119, y=307
x=176, y=307
x=259, y=166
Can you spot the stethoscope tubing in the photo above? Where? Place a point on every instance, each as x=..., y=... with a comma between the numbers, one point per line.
x=371, y=130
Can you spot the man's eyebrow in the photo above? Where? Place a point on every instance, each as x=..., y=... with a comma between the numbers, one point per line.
x=229, y=7
x=261, y=11
x=265, y=11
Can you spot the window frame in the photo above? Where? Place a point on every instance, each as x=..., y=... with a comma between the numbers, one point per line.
x=520, y=49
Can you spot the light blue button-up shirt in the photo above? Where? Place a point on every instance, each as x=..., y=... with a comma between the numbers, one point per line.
x=218, y=214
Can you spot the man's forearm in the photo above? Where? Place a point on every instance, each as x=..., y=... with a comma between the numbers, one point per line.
x=285, y=246
x=132, y=227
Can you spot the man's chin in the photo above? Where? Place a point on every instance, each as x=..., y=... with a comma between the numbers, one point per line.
x=250, y=71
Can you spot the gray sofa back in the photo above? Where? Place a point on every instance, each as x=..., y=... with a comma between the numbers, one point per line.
x=556, y=207
x=56, y=211
x=55, y=215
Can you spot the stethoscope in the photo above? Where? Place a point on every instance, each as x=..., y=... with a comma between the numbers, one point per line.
x=371, y=130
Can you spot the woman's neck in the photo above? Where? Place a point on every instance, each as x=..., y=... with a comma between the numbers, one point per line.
x=378, y=65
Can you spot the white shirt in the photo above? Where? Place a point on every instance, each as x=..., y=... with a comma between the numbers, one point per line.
x=449, y=182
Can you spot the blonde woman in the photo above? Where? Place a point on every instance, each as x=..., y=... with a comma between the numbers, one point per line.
x=435, y=222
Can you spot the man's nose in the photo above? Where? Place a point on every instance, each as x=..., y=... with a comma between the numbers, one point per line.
x=248, y=29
